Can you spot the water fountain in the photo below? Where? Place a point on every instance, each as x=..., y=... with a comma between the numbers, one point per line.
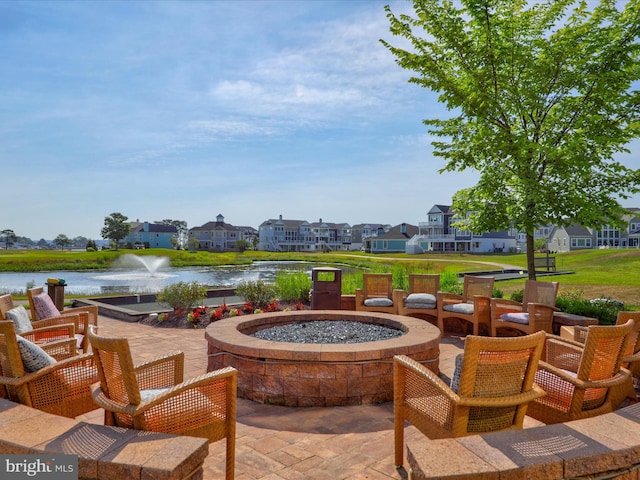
x=150, y=263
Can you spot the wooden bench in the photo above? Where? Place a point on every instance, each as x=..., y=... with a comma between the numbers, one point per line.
x=590, y=448
x=103, y=452
x=548, y=263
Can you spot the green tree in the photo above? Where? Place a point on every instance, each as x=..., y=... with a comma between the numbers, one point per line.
x=9, y=237
x=242, y=245
x=115, y=228
x=542, y=103
x=63, y=241
x=183, y=231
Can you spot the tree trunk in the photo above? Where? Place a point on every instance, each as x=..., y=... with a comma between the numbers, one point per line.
x=531, y=266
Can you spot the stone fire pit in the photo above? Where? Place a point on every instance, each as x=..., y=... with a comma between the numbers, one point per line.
x=303, y=374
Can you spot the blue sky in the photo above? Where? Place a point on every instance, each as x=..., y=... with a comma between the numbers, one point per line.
x=189, y=109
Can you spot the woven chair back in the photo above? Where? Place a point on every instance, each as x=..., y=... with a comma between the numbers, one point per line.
x=376, y=285
x=6, y=304
x=477, y=286
x=10, y=359
x=540, y=292
x=115, y=368
x=498, y=367
x=424, y=283
x=633, y=343
x=601, y=358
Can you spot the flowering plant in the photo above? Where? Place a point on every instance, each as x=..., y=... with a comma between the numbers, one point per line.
x=273, y=306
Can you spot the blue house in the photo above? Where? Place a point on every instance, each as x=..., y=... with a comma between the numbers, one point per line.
x=392, y=241
x=151, y=235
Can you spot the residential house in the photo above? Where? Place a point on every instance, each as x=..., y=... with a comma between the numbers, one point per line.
x=220, y=236
x=393, y=241
x=439, y=235
x=331, y=236
x=573, y=237
x=282, y=235
x=151, y=235
x=362, y=231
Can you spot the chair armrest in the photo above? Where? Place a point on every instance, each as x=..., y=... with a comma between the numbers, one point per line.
x=500, y=306
x=85, y=360
x=562, y=353
x=53, y=333
x=541, y=316
x=399, y=297
x=206, y=379
x=61, y=349
x=505, y=401
x=92, y=310
x=404, y=362
x=617, y=379
x=61, y=320
x=161, y=372
x=447, y=298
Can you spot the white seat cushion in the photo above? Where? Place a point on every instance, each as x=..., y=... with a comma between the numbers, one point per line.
x=378, y=302
x=422, y=306
x=518, y=317
x=20, y=318
x=420, y=298
x=464, y=308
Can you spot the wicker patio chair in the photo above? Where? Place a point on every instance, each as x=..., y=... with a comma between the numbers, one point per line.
x=473, y=306
x=581, y=380
x=153, y=396
x=535, y=313
x=42, y=306
x=630, y=360
x=39, y=331
x=420, y=300
x=494, y=388
x=376, y=294
x=51, y=377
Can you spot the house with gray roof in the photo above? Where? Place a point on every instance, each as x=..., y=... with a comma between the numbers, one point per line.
x=438, y=234
x=392, y=241
x=150, y=235
x=220, y=236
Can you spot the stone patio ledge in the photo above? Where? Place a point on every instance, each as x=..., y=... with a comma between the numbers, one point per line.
x=103, y=451
x=590, y=448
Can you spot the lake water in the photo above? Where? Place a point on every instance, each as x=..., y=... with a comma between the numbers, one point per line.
x=94, y=282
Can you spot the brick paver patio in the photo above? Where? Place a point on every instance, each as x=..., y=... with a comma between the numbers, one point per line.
x=283, y=443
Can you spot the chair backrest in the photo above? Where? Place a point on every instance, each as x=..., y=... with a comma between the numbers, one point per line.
x=602, y=354
x=633, y=343
x=10, y=360
x=377, y=285
x=499, y=367
x=540, y=292
x=424, y=283
x=474, y=285
x=31, y=294
x=6, y=304
x=115, y=368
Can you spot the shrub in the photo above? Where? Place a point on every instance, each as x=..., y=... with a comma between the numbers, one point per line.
x=449, y=282
x=258, y=294
x=182, y=295
x=293, y=286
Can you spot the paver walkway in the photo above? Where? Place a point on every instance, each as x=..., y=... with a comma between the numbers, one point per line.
x=283, y=443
